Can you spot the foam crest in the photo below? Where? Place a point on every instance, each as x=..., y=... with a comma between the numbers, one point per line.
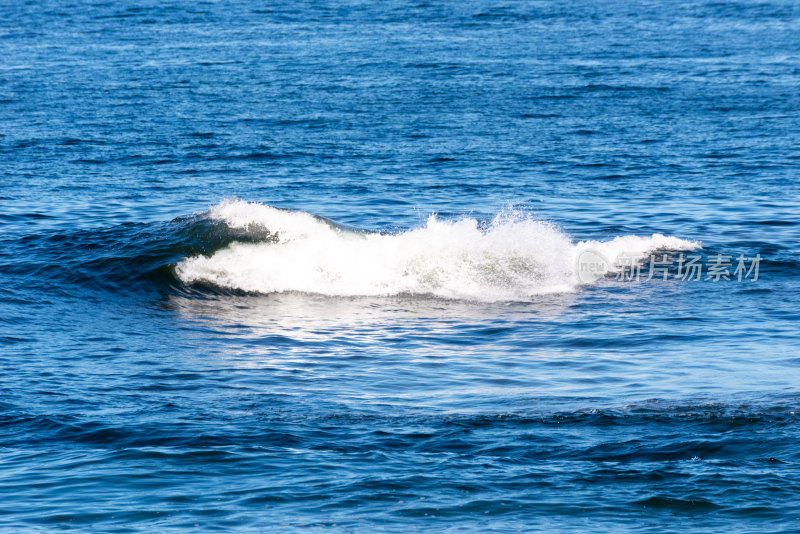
x=285, y=225
x=514, y=257
x=623, y=250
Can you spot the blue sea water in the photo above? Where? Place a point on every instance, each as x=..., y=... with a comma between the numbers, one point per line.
x=316, y=266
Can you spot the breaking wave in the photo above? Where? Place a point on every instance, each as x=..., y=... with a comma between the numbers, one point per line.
x=512, y=257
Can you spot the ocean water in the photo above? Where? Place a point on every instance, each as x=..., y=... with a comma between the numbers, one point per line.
x=399, y=266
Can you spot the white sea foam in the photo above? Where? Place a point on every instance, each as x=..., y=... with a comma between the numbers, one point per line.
x=513, y=257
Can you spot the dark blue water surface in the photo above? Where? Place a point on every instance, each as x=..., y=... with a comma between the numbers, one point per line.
x=293, y=380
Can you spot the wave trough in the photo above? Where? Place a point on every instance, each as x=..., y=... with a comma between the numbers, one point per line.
x=513, y=257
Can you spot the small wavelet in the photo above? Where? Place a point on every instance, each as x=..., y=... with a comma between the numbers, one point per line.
x=512, y=257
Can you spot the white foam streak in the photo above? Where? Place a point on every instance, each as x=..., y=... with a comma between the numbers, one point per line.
x=513, y=258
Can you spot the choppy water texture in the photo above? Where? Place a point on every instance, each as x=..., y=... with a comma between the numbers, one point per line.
x=307, y=265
